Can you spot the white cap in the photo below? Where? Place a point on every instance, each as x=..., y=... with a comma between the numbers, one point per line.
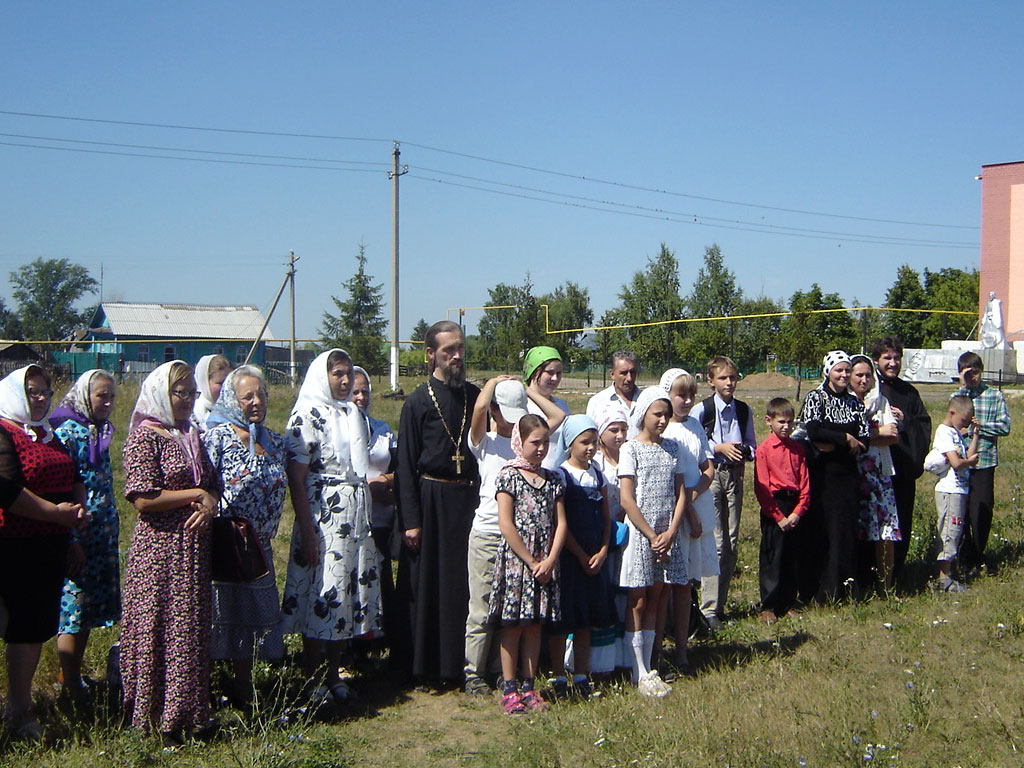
x=510, y=395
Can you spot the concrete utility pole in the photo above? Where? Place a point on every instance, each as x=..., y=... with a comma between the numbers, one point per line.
x=291, y=275
x=394, y=175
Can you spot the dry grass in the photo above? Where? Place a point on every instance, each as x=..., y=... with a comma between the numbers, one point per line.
x=919, y=680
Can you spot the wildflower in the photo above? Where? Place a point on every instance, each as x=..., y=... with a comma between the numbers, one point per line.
x=910, y=685
x=887, y=625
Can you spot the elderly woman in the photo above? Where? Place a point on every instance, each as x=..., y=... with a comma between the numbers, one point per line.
x=250, y=460
x=165, y=630
x=383, y=455
x=33, y=553
x=211, y=371
x=92, y=591
x=838, y=431
x=542, y=373
x=332, y=591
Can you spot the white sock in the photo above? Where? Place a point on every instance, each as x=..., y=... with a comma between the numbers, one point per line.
x=648, y=641
x=636, y=642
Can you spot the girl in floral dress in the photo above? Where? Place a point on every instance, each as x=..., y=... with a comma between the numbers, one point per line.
x=165, y=629
x=531, y=517
x=332, y=591
x=879, y=522
x=250, y=460
x=92, y=594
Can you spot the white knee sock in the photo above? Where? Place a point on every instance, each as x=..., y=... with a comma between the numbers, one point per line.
x=648, y=644
x=636, y=642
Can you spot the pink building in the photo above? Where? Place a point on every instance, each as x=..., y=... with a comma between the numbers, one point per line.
x=1002, y=243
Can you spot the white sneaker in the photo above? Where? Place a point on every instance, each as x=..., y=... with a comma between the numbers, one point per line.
x=650, y=685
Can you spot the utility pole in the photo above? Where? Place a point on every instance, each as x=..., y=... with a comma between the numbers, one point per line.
x=291, y=275
x=394, y=175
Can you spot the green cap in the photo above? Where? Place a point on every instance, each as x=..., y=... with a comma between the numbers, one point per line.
x=536, y=357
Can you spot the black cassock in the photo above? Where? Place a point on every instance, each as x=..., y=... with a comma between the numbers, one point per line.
x=433, y=495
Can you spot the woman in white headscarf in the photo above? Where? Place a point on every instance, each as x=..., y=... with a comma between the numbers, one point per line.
x=211, y=371
x=33, y=553
x=332, y=591
x=165, y=628
x=250, y=460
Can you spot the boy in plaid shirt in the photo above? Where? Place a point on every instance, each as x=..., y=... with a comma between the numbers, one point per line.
x=994, y=422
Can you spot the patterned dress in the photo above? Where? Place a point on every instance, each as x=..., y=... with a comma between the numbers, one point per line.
x=165, y=630
x=247, y=617
x=93, y=597
x=653, y=468
x=516, y=596
x=337, y=597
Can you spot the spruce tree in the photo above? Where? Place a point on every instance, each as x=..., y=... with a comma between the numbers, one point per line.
x=359, y=325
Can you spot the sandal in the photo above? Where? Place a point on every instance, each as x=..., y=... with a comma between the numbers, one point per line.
x=512, y=703
x=534, y=701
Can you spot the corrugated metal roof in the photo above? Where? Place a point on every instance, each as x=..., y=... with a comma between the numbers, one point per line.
x=184, y=321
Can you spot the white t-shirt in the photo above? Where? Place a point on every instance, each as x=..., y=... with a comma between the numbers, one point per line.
x=691, y=435
x=493, y=453
x=552, y=460
x=953, y=481
x=611, y=488
x=585, y=479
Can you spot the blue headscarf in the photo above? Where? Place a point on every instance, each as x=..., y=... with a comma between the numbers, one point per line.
x=227, y=409
x=573, y=426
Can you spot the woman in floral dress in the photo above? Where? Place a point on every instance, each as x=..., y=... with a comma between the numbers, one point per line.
x=332, y=591
x=250, y=460
x=165, y=630
x=92, y=594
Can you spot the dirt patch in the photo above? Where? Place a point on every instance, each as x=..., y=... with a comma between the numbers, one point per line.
x=767, y=381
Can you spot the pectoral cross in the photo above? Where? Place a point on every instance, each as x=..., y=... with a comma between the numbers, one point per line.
x=457, y=457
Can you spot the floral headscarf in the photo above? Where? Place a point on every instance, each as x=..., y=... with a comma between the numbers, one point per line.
x=519, y=462
x=611, y=413
x=77, y=406
x=153, y=409
x=14, y=405
x=227, y=409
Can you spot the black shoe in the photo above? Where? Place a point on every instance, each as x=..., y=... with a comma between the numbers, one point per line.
x=477, y=686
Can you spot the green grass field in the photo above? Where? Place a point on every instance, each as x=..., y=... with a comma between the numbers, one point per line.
x=920, y=679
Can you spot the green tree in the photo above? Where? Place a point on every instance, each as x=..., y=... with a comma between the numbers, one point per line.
x=515, y=325
x=950, y=289
x=652, y=295
x=906, y=293
x=10, y=326
x=714, y=294
x=568, y=307
x=751, y=341
x=807, y=335
x=46, y=291
x=359, y=325
x=419, y=331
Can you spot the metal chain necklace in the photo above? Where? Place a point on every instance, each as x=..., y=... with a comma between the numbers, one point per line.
x=457, y=457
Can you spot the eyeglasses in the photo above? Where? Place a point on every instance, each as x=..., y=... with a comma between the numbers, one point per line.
x=39, y=394
x=183, y=395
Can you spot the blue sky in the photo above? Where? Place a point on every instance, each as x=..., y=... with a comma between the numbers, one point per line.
x=877, y=111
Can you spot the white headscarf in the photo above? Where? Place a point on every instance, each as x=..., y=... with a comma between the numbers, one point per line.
x=648, y=397
x=14, y=405
x=153, y=408
x=205, y=402
x=345, y=422
x=668, y=378
x=611, y=413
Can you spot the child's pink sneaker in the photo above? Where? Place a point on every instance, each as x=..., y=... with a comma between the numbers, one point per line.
x=534, y=701
x=512, y=703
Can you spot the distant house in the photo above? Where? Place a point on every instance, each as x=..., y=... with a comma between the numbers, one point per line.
x=133, y=337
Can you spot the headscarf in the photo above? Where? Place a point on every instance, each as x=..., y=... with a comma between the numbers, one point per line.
x=204, y=403
x=832, y=359
x=611, y=413
x=573, y=426
x=347, y=425
x=77, y=406
x=872, y=400
x=517, y=448
x=648, y=397
x=369, y=387
x=536, y=357
x=153, y=409
x=227, y=409
x=668, y=378
x=14, y=405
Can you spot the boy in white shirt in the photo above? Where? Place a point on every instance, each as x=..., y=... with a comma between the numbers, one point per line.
x=953, y=486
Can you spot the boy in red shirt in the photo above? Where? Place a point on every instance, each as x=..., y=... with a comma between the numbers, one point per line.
x=783, y=489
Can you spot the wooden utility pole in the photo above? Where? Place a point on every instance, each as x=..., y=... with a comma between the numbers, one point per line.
x=394, y=175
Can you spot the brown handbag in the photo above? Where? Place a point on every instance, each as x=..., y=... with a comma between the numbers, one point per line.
x=236, y=552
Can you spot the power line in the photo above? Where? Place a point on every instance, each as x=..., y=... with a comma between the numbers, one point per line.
x=914, y=240
x=196, y=151
x=480, y=158
x=190, y=159
x=697, y=222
